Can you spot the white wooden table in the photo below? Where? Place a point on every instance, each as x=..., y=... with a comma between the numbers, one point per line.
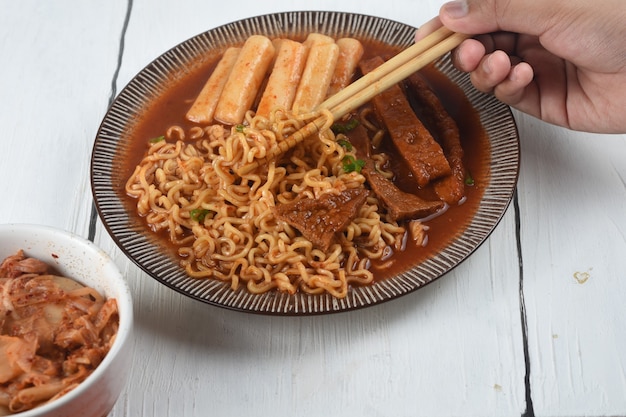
x=533, y=323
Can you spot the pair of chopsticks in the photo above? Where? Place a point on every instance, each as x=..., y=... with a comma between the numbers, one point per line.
x=393, y=71
x=373, y=83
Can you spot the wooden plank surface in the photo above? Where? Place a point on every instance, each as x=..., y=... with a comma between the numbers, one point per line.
x=58, y=60
x=453, y=348
x=573, y=221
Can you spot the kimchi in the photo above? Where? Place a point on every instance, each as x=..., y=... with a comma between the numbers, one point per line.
x=54, y=332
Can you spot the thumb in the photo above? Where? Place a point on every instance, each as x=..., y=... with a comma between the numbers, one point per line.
x=485, y=16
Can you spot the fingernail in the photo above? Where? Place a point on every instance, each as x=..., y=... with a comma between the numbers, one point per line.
x=456, y=9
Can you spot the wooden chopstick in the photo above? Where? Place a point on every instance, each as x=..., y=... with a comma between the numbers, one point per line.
x=393, y=71
x=365, y=88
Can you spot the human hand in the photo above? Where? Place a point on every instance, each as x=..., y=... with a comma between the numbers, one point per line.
x=563, y=61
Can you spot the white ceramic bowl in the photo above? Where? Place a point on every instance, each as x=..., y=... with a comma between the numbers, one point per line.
x=78, y=258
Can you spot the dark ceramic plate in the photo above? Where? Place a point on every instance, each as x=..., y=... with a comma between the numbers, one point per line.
x=143, y=248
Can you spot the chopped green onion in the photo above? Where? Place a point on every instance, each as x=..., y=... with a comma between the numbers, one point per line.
x=345, y=127
x=345, y=143
x=157, y=139
x=350, y=164
x=468, y=179
x=239, y=128
x=199, y=214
